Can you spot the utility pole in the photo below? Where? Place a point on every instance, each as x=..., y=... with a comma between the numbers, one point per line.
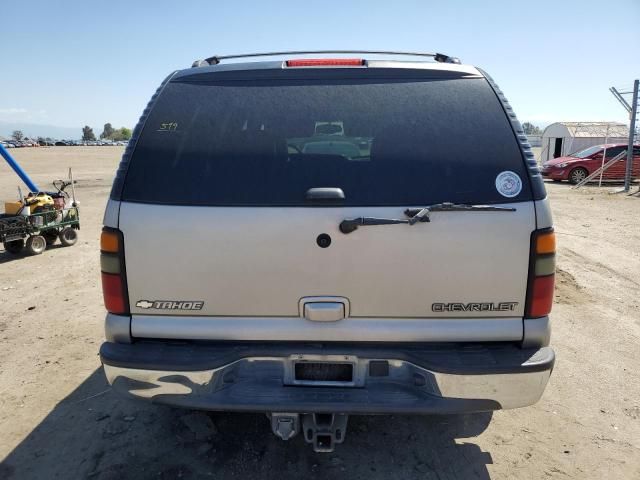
x=632, y=134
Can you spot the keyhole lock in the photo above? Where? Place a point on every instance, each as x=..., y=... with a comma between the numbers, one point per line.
x=323, y=240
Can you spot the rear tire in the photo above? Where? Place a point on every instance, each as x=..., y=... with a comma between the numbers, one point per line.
x=68, y=237
x=36, y=244
x=51, y=236
x=14, y=247
x=577, y=175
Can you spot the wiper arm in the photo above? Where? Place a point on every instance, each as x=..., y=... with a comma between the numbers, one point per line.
x=418, y=215
x=348, y=225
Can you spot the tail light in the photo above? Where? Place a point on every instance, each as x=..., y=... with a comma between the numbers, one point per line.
x=542, y=267
x=326, y=62
x=114, y=283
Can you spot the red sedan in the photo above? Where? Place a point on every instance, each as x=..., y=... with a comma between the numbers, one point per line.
x=577, y=166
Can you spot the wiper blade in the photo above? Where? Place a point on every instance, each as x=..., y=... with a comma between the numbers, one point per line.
x=418, y=215
x=455, y=207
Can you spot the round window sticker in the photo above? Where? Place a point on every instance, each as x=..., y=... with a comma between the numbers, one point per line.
x=508, y=184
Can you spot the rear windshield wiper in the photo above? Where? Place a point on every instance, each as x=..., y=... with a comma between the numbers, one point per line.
x=418, y=215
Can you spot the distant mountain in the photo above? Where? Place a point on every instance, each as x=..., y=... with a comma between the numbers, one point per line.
x=33, y=130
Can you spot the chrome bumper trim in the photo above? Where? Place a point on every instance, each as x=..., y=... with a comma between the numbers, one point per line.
x=405, y=382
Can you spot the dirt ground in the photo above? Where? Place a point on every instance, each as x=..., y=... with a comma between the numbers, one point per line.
x=59, y=419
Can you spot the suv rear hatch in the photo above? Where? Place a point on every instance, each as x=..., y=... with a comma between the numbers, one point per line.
x=222, y=240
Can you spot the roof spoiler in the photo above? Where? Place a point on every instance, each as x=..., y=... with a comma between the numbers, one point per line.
x=216, y=59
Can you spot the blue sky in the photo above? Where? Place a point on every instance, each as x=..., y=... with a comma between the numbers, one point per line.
x=71, y=63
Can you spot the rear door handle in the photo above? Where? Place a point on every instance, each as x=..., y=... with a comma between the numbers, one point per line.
x=324, y=311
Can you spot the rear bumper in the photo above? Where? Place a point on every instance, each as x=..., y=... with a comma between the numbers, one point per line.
x=386, y=379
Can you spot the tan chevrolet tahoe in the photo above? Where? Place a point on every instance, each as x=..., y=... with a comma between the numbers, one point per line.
x=328, y=233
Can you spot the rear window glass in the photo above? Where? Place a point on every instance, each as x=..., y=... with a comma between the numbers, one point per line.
x=382, y=141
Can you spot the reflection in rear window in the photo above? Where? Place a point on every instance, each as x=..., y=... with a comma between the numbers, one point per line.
x=383, y=142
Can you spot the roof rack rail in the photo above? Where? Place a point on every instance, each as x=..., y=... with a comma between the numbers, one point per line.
x=438, y=57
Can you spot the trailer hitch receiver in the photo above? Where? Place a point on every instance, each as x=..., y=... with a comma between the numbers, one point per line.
x=324, y=430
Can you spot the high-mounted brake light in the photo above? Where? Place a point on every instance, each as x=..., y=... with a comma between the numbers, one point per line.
x=542, y=268
x=114, y=286
x=326, y=62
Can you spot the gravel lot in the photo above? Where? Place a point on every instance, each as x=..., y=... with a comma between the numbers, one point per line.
x=58, y=418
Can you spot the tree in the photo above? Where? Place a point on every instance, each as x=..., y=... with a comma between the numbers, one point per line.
x=87, y=133
x=531, y=129
x=126, y=133
x=17, y=135
x=108, y=131
x=121, y=134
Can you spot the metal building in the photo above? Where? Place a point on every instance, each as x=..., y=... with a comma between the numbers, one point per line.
x=562, y=138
